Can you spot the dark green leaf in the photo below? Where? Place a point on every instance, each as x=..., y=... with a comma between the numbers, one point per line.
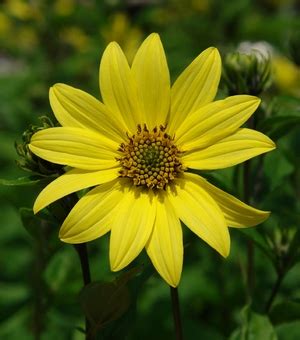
x=277, y=174
x=286, y=311
x=39, y=227
x=30, y=222
x=22, y=181
x=288, y=331
x=58, y=269
x=260, y=241
x=103, y=302
x=277, y=127
x=254, y=327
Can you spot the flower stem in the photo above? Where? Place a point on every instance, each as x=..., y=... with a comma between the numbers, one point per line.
x=86, y=275
x=274, y=292
x=176, y=313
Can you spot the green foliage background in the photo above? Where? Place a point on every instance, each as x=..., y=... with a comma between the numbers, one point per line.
x=44, y=42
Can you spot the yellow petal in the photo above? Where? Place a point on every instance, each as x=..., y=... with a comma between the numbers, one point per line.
x=131, y=227
x=237, y=213
x=117, y=86
x=232, y=150
x=78, y=148
x=165, y=246
x=200, y=213
x=75, y=108
x=91, y=216
x=72, y=181
x=151, y=72
x=215, y=121
x=195, y=87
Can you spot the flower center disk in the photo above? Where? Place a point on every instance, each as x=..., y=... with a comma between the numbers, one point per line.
x=150, y=158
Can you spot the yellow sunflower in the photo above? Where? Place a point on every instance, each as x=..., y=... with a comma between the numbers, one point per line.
x=136, y=149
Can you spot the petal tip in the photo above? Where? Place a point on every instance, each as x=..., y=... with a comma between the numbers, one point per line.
x=63, y=236
x=225, y=252
x=254, y=99
x=36, y=207
x=114, y=267
x=153, y=35
x=113, y=45
x=57, y=86
x=173, y=284
x=264, y=216
x=213, y=52
x=65, y=240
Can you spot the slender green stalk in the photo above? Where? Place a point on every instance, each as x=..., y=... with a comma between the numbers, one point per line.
x=274, y=292
x=176, y=313
x=86, y=275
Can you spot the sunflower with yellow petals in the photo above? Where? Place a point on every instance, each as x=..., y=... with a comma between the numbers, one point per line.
x=136, y=149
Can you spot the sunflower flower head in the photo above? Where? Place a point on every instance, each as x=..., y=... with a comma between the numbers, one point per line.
x=136, y=147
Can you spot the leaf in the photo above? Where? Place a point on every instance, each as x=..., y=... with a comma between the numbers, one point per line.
x=22, y=181
x=30, y=222
x=277, y=174
x=120, y=328
x=39, y=227
x=277, y=127
x=103, y=302
x=288, y=331
x=286, y=311
x=254, y=327
x=14, y=326
x=58, y=269
x=260, y=241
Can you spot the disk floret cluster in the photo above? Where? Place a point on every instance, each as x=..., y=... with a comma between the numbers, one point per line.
x=150, y=158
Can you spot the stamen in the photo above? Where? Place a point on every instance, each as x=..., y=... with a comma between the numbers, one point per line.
x=151, y=159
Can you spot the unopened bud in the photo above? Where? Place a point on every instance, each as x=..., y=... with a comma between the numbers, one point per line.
x=246, y=73
x=29, y=161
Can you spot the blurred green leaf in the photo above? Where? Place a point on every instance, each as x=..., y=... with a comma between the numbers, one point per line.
x=286, y=311
x=260, y=241
x=40, y=227
x=31, y=222
x=254, y=327
x=103, y=302
x=22, y=181
x=12, y=293
x=288, y=331
x=14, y=327
x=58, y=269
x=279, y=126
x=277, y=168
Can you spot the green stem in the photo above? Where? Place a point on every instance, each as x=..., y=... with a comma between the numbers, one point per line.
x=176, y=313
x=86, y=275
x=274, y=292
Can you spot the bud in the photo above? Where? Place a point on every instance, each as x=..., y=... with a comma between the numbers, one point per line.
x=246, y=73
x=29, y=161
x=294, y=46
